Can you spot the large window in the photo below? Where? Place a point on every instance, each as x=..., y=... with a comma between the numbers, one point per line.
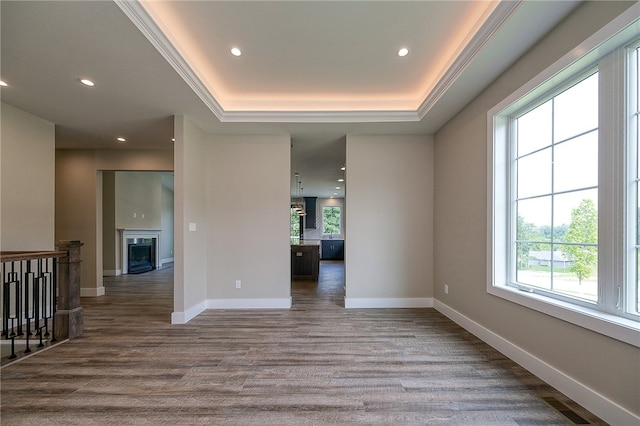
x=555, y=168
x=565, y=191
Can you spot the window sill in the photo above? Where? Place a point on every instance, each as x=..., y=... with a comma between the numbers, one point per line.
x=615, y=327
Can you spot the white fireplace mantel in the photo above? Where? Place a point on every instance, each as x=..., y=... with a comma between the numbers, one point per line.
x=139, y=233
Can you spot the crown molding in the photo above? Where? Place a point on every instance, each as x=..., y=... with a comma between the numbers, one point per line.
x=494, y=22
x=319, y=116
x=150, y=29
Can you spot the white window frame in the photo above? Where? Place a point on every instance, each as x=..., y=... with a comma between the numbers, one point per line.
x=630, y=298
x=606, y=50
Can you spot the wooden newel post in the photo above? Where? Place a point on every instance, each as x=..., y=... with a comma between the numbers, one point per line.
x=69, y=313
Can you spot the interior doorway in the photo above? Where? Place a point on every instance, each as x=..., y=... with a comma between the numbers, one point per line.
x=137, y=210
x=317, y=211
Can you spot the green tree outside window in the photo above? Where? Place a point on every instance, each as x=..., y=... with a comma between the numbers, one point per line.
x=331, y=220
x=295, y=225
x=583, y=233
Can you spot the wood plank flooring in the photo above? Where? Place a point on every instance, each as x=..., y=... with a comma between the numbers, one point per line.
x=316, y=363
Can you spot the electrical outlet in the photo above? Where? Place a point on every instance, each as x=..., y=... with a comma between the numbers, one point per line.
x=446, y=289
x=238, y=284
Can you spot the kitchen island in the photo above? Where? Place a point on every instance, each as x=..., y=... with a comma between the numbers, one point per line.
x=305, y=261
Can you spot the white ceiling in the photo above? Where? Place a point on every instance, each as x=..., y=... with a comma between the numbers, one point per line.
x=317, y=70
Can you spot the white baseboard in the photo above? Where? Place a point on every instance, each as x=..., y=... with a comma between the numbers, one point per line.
x=189, y=314
x=590, y=399
x=249, y=303
x=408, y=302
x=91, y=291
x=167, y=260
x=111, y=272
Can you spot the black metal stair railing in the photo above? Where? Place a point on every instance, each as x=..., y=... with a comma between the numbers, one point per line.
x=29, y=291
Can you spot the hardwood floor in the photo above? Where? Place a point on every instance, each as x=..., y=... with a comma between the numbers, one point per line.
x=316, y=363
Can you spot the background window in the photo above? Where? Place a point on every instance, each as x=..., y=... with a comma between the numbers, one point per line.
x=295, y=226
x=331, y=220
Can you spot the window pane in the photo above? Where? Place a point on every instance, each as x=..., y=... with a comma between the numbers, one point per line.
x=579, y=208
x=575, y=272
x=576, y=109
x=534, y=238
x=575, y=163
x=534, y=174
x=534, y=220
x=534, y=269
x=534, y=129
x=579, y=250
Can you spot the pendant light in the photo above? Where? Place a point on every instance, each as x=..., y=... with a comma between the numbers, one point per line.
x=297, y=203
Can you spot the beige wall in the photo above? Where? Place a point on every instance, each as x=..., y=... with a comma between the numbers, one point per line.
x=166, y=222
x=76, y=206
x=79, y=199
x=248, y=217
x=389, y=220
x=190, y=248
x=138, y=200
x=607, y=366
x=27, y=160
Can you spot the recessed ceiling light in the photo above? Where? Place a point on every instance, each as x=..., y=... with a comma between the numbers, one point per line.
x=87, y=82
x=343, y=168
x=121, y=139
x=337, y=187
x=173, y=139
x=340, y=180
x=235, y=51
x=403, y=52
x=3, y=83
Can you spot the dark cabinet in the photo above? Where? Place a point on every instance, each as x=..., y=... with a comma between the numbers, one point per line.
x=310, y=209
x=333, y=249
x=305, y=262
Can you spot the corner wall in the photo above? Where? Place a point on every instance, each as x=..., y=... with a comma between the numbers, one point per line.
x=248, y=184
x=78, y=199
x=601, y=373
x=190, y=222
x=27, y=188
x=389, y=218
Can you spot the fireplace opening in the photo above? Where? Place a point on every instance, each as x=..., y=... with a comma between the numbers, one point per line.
x=141, y=255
